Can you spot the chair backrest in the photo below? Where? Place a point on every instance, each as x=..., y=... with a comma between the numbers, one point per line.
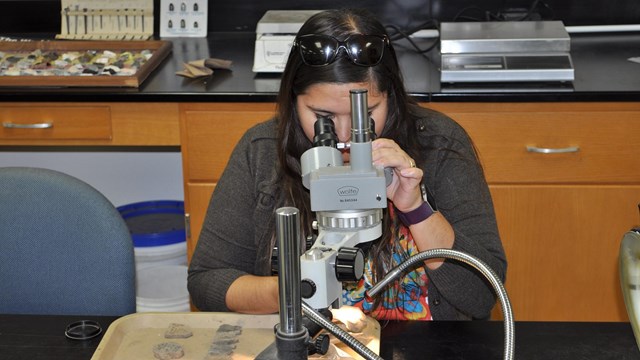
x=64, y=248
x=629, y=261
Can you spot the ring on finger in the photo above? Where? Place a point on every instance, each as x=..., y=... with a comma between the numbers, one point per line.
x=412, y=163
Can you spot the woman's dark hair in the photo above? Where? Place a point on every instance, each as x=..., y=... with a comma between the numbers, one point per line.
x=298, y=77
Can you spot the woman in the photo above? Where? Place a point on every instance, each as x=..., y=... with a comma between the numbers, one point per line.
x=334, y=52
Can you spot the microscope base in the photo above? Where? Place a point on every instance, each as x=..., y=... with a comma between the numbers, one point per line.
x=286, y=347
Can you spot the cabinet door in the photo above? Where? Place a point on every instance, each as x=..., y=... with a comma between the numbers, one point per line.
x=562, y=248
x=199, y=196
x=209, y=132
x=561, y=213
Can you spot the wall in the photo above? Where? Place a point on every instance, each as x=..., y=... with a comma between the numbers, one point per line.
x=242, y=15
x=122, y=176
x=43, y=16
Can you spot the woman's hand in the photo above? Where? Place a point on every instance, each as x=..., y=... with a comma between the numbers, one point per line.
x=404, y=190
x=352, y=317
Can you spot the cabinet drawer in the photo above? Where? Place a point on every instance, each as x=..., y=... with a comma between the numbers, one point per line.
x=211, y=131
x=556, y=146
x=55, y=123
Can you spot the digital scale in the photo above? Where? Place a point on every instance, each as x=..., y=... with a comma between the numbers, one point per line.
x=506, y=51
x=275, y=33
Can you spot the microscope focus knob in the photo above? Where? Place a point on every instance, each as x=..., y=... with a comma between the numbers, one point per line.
x=309, y=241
x=349, y=264
x=319, y=345
x=307, y=288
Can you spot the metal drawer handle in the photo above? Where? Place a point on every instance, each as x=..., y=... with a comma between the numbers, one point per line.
x=539, y=150
x=10, y=125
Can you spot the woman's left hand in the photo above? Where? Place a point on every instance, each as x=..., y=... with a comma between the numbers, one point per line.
x=404, y=190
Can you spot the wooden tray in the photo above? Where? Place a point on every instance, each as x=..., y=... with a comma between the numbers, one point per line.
x=134, y=336
x=160, y=50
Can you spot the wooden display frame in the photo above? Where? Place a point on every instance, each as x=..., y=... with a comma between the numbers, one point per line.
x=160, y=51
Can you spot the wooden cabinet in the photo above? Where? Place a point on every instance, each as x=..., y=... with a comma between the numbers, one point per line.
x=561, y=215
x=565, y=180
x=209, y=133
x=91, y=124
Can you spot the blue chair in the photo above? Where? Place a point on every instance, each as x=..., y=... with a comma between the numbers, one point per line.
x=629, y=262
x=64, y=248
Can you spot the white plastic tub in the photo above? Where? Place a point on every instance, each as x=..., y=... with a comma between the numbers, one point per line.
x=162, y=288
x=158, y=232
x=173, y=254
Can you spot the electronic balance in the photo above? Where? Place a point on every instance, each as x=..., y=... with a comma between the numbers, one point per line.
x=275, y=33
x=506, y=51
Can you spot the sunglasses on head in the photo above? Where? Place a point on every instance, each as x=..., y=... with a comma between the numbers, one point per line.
x=320, y=50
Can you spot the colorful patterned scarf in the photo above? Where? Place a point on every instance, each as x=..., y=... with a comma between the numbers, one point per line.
x=409, y=302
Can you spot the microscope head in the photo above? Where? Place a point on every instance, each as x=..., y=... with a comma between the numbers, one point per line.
x=334, y=186
x=348, y=202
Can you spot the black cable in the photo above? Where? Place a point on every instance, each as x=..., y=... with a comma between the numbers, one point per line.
x=403, y=33
x=407, y=36
x=529, y=12
x=552, y=14
x=487, y=15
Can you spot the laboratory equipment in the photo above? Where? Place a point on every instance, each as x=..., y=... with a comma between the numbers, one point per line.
x=348, y=201
x=505, y=51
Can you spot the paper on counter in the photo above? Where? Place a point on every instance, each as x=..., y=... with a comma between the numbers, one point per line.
x=203, y=67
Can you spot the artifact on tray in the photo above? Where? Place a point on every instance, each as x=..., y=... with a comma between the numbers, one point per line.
x=203, y=67
x=79, y=63
x=224, y=342
x=178, y=331
x=168, y=351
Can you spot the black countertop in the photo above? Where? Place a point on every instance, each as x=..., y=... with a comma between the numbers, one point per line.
x=483, y=340
x=602, y=73
x=38, y=337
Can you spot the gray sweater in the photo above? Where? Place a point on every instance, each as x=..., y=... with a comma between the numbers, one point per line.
x=237, y=235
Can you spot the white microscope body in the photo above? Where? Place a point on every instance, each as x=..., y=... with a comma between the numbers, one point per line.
x=348, y=201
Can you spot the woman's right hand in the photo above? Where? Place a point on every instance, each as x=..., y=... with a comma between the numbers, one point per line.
x=404, y=190
x=352, y=317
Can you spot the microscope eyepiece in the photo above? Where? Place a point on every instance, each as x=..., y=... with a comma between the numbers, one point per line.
x=325, y=132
